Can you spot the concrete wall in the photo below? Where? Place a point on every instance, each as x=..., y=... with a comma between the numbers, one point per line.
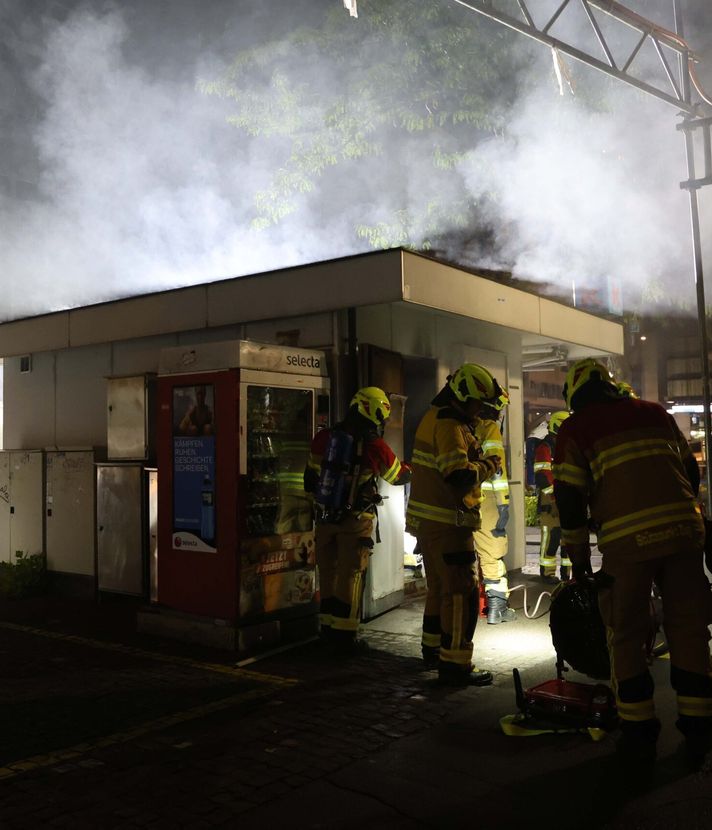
x=30, y=410
x=61, y=402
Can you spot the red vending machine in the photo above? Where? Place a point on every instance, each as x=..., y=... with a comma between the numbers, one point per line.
x=236, y=546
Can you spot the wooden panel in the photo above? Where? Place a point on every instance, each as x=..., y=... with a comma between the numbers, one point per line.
x=382, y=368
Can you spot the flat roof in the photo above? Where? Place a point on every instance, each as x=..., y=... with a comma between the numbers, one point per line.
x=380, y=277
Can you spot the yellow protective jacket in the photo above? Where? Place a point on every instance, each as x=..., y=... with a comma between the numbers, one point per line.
x=448, y=469
x=491, y=443
x=629, y=463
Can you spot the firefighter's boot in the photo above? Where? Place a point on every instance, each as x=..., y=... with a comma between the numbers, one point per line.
x=636, y=752
x=347, y=644
x=431, y=656
x=565, y=573
x=548, y=577
x=698, y=740
x=498, y=611
x=452, y=675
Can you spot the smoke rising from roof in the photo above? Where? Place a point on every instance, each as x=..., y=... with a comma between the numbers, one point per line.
x=143, y=185
x=584, y=197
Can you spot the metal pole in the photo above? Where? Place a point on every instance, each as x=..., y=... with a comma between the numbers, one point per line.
x=699, y=276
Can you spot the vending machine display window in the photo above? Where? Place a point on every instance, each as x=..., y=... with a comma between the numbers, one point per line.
x=278, y=549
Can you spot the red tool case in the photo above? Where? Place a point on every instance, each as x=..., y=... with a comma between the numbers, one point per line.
x=567, y=702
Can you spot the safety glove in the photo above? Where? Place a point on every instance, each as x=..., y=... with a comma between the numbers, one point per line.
x=406, y=473
x=500, y=528
x=493, y=465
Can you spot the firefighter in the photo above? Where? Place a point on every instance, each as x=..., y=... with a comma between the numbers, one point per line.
x=546, y=506
x=625, y=460
x=443, y=513
x=491, y=538
x=343, y=531
x=535, y=437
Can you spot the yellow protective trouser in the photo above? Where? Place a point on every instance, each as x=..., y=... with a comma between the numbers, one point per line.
x=687, y=611
x=491, y=550
x=342, y=552
x=549, y=545
x=450, y=614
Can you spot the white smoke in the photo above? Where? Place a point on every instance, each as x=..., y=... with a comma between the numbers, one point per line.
x=144, y=186
x=580, y=195
x=586, y=196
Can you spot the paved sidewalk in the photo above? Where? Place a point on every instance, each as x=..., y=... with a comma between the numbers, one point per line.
x=102, y=728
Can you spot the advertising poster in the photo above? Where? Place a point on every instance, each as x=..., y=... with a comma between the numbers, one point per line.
x=277, y=573
x=194, y=468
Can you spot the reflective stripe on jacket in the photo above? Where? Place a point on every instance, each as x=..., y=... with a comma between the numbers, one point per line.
x=443, y=445
x=628, y=459
x=544, y=477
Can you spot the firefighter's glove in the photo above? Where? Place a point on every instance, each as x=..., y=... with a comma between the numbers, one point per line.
x=492, y=464
x=500, y=528
x=580, y=556
x=406, y=473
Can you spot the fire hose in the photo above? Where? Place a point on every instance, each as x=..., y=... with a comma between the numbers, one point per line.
x=533, y=615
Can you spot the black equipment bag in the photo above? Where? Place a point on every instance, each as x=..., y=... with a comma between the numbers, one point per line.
x=577, y=629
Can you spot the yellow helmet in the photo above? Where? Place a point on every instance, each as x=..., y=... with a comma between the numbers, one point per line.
x=556, y=419
x=625, y=390
x=583, y=372
x=373, y=404
x=474, y=381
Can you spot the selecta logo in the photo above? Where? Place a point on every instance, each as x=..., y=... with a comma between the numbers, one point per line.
x=302, y=360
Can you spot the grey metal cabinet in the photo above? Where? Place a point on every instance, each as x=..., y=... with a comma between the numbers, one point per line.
x=21, y=513
x=69, y=498
x=130, y=424
x=125, y=528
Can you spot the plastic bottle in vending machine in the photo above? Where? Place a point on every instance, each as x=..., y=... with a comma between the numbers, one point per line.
x=207, y=511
